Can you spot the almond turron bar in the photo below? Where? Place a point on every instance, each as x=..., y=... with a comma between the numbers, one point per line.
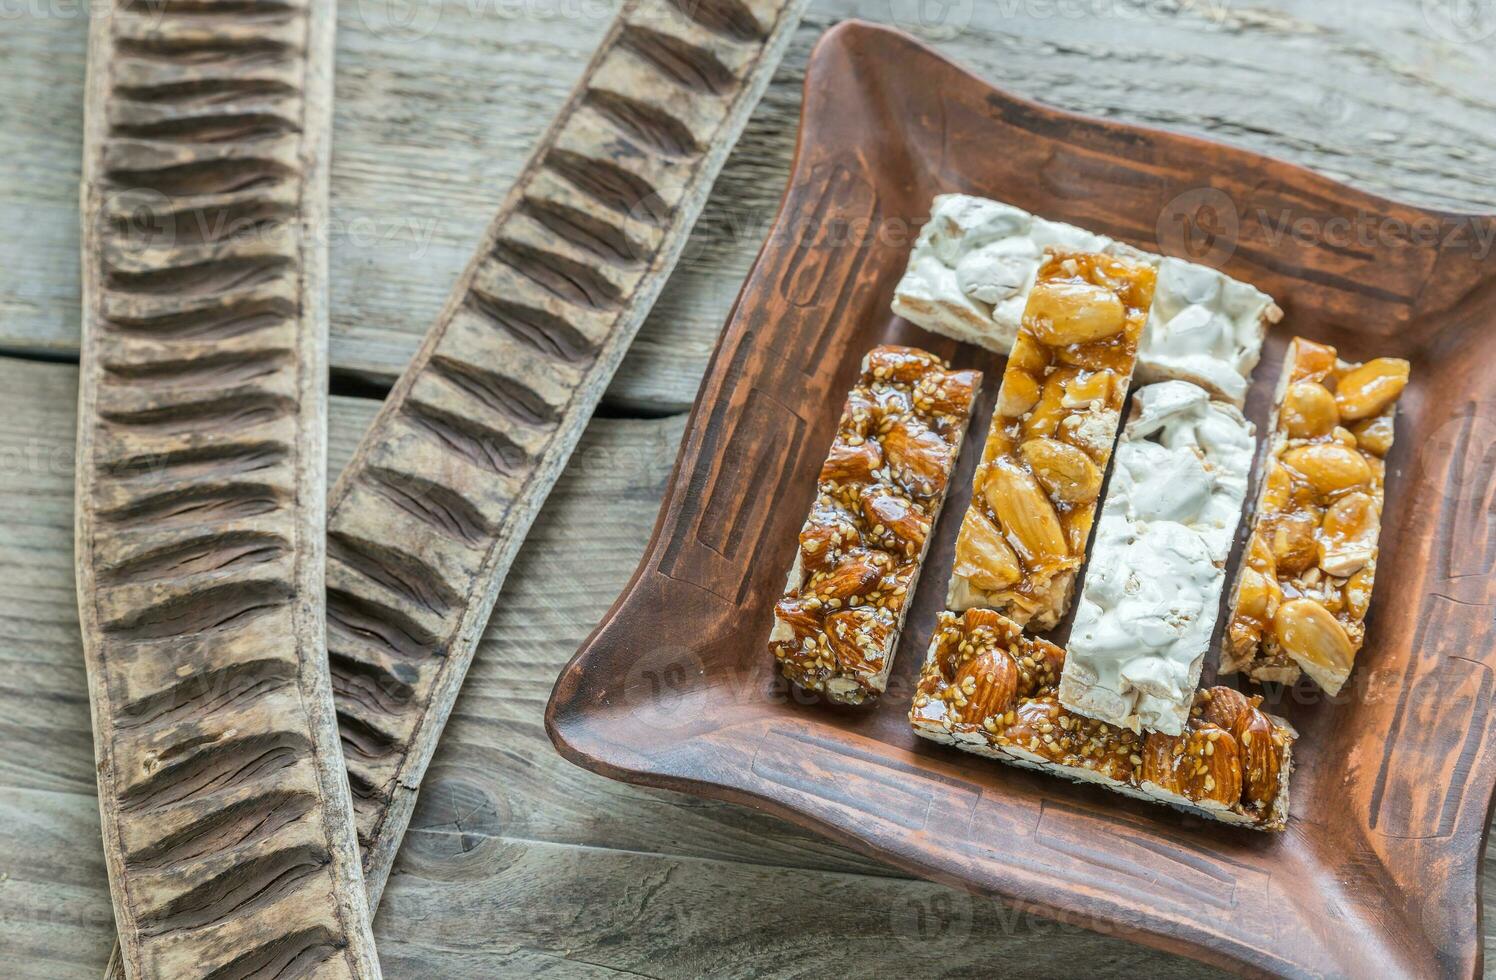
x=878, y=495
x=1305, y=583
x=1153, y=589
x=1023, y=539
x=972, y=267
x=988, y=689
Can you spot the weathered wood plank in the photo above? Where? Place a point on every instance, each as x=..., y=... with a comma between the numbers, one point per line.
x=515, y=857
x=434, y=123
x=425, y=521
x=201, y=473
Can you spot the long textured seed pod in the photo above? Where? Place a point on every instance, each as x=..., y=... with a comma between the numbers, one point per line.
x=228, y=827
x=429, y=514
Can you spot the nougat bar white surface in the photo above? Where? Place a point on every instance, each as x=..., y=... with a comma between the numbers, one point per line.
x=1153, y=588
x=974, y=262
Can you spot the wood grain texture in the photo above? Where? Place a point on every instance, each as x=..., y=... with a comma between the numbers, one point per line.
x=429, y=514
x=227, y=823
x=516, y=861
x=1394, y=783
x=434, y=126
x=433, y=122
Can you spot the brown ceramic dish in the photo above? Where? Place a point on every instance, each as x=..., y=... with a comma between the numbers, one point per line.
x=1377, y=872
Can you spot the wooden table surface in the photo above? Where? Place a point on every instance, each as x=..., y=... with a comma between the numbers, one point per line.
x=517, y=863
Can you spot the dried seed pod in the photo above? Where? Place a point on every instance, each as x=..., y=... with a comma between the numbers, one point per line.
x=1367, y=390
x=1093, y=386
x=1063, y=313
x=1066, y=472
x=1024, y=513
x=1329, y=467
x=1307, y=631
x=949, y=392
x=1036, y=728
x=1308, y=410
x=798, y=616
x=976, y=618
x=1312, y=362
x=983, y=556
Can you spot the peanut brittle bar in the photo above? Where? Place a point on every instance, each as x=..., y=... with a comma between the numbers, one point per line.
x=988, y=689
x=1305, y=584
x=879, y=494
x=1158, y=565
x=1023, y=539
x=975, y=260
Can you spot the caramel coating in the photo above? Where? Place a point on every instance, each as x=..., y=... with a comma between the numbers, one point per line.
x=1230, y=756
x=1034, y=496
x=1302, y=596
x=878, y=491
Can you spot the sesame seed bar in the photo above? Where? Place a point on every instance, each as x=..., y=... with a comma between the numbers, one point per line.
x=988, y=689
x=1305, y=584
x=1023, y=539
x=975, y=260
x=1158, y=565
x=878, y=496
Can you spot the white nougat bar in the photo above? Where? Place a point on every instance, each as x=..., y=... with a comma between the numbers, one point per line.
x=974, y=262
x=1151, y=596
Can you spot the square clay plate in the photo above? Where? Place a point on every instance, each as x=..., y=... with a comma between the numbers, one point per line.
x=1377, y=872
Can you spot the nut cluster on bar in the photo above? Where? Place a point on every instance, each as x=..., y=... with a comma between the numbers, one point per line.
x=974, y=263
x=987, y=688
x=1305, y=584
x=878, y=495
x=1023, y=539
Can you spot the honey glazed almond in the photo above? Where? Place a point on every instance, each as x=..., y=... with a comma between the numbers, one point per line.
x=1034, y=496
x=988, y=689
x=878, y=495
x=1305, y=583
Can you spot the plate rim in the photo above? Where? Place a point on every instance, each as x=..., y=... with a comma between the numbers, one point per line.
x=566, y=709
